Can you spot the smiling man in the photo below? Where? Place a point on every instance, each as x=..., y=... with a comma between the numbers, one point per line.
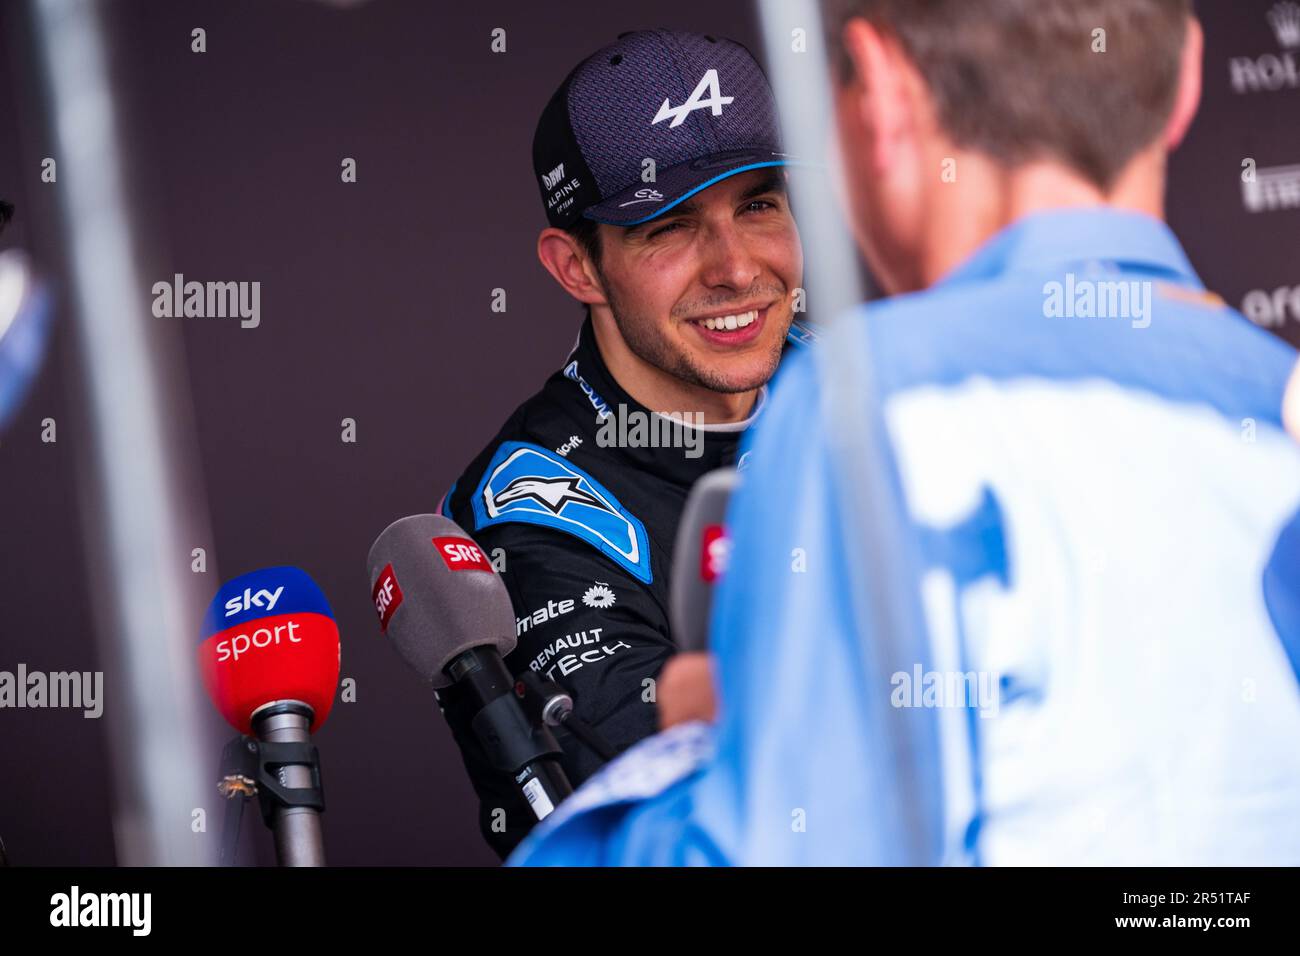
x=659, y=163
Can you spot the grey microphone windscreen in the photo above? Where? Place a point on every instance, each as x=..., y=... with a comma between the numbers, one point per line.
x=437, y=595
x=699, y=558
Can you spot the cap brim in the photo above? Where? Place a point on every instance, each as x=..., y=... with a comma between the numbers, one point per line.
x=643, y=202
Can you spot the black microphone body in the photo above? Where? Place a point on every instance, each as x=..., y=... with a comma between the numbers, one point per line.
x=513, y=743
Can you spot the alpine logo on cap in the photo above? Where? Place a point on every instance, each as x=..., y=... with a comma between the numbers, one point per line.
x=716, y=101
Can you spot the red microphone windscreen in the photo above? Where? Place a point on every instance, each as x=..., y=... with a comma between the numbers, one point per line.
x=269, y=636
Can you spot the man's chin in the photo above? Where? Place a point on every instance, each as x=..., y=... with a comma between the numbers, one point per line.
x=736, y=376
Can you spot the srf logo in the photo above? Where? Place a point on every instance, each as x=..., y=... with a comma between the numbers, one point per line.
x=715, y=546
x=462, y=554
x=387, y=595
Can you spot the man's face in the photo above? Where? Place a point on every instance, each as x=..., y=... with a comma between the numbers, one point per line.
x=729, y=257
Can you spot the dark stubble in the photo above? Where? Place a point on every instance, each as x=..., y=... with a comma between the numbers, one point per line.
x=648, y=342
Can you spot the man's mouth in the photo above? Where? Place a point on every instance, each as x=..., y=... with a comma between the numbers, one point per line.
x=733, y=328
x=729, y=323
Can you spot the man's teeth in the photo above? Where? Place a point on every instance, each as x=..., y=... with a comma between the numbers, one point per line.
x=730, y=322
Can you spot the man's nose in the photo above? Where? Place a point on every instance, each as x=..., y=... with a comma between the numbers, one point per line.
x=728, y=262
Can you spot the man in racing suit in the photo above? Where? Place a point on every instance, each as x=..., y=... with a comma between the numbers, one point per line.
x=690, y=281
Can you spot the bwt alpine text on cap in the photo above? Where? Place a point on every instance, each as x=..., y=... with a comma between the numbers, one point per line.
x=699, y=107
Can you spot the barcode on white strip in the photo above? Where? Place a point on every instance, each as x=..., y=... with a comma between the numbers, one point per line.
x=537, y=798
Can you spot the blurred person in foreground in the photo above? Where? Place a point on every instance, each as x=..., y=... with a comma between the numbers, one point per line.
x=1095, y=532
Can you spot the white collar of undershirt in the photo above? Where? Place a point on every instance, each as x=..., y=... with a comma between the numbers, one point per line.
x=724, y=427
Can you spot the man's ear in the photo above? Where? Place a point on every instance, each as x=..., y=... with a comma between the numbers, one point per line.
x=1188, y=97
x=564, y=259
x=879, y=87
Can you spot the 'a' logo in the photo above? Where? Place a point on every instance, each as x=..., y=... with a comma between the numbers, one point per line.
x=716, y=101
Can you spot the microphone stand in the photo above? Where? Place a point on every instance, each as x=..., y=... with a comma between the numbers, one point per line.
x=282, y=766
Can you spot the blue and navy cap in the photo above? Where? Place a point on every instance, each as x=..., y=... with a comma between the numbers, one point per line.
x=698, y=106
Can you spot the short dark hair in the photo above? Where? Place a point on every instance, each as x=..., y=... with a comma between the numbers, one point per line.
x=1018, y=79
x=6, y=213
x=586, y=233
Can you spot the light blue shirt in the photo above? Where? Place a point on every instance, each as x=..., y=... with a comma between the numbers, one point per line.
x=1097, y=553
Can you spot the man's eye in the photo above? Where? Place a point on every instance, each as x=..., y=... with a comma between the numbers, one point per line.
x=662, y=230
x=760, y=205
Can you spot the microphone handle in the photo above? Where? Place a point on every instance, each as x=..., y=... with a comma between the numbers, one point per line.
x=544, y=784
x=297, y=830
x=528, y=751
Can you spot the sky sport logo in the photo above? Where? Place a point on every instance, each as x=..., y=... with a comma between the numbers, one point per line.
x=249, y=600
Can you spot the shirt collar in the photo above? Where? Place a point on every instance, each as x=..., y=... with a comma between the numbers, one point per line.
x=718, y=441
x=1105, y=236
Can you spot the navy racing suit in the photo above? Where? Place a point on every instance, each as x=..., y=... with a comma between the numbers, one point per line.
x=576, y=502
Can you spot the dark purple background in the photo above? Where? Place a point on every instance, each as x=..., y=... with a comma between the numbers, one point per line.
x=376, y=306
